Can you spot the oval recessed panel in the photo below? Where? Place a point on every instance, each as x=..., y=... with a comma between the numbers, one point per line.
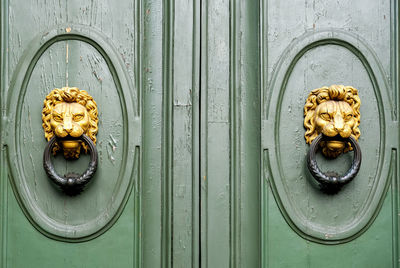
x=97, y=69
x=309, y=63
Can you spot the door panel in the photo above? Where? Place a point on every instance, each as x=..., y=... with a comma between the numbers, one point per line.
x=52, y=45
x=328, y=221
x=115, y=139
x=306, y=46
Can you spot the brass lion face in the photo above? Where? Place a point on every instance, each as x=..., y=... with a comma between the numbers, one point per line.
x=70, y=113
x=69, y=119
x=334, y=112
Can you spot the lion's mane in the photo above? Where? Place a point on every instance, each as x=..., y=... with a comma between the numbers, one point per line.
x=70, y=94
x=334, y=92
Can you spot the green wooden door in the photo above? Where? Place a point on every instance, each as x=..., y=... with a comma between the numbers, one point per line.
x=201, y=139
x=309, y=45
x=48, y=45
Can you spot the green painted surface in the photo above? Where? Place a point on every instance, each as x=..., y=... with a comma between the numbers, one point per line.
x=305, y=46
x=230, y=135
x=199, y=94
x=150, y=55
x=26, y=247
x=285, y=248
x=40, y=226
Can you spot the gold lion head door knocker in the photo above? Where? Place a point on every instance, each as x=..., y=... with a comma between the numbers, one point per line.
x=70, y=120
x=332, y=118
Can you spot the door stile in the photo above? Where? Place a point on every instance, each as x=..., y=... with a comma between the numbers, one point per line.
x=180, y=134
x=202, y=139
x=395, y=73
x=247, y=128
x=394, y=189
x=154, y=207
x=196, y=141
x=235, y=138
x=3, y=162
x=230, y=134
x=215, y=134
x=138, y=183
x=167, y=136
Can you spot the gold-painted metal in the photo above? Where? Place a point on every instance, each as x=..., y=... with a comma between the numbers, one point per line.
x=335, y=112
x=70, y=112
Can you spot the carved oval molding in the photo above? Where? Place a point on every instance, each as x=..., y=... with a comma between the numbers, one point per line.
x=96, y=210
x=335, y=218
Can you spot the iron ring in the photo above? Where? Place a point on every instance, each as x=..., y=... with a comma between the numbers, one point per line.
x=332, y=183
x=72, y=183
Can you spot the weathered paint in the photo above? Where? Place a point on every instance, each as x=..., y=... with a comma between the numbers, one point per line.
x=331, y=50
x=230, y=135
x=308, y=45
x=77, y=45
x=201, y=94
x=53, y=213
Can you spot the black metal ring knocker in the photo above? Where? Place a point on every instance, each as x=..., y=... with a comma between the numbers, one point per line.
x=71, y=183
x=331, y=183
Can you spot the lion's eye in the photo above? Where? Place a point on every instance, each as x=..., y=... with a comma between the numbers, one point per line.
x=78, y=117
x=325, y=116
x=348, y=117
x=57, y=118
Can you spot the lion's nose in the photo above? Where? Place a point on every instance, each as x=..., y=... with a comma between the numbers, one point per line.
x=339, y=123
x=68, y=125
x=68, y=128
